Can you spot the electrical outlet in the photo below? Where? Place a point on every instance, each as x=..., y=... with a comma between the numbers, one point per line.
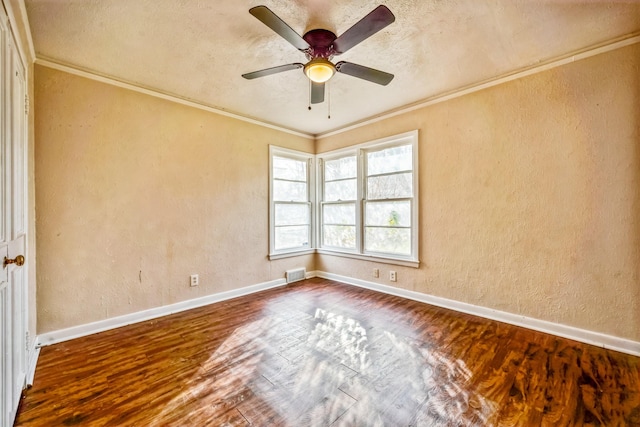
x=195, y=280
x=392, y=276
x=376, y=272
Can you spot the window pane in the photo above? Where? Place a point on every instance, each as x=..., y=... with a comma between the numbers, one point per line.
x=388, y=240
x=291, y=237
x=286, y=191
x=389, y=214
x=342, y=236
x=345, y=167
x=390, y=186
x=340, y=190
x=292, y=214
x=339, y=214
x=285, y=168
x=392, y=159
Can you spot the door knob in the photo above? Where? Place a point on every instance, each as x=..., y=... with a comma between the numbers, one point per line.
x=19, y=261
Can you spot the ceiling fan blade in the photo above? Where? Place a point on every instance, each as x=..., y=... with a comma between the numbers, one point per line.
x=366, y=73
x=271, y=20
x=376, y=20
x=272, y=70
x=317, y=93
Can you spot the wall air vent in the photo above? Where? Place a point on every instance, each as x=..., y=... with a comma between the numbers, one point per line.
x=296, y=275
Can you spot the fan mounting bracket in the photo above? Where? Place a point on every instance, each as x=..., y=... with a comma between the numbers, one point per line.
x=321, y=43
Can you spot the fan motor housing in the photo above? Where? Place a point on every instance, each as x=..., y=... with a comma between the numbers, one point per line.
x=321, y=42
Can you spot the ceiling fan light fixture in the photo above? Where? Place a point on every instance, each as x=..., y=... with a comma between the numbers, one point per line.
x=319, y=70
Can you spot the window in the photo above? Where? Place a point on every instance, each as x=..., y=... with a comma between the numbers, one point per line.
x=340, y=191
x=366, y=205
x=291, y=198
x=369, y=200
x=389, y=195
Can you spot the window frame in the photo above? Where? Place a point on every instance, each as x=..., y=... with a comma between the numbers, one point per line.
x=360, y=151
x=275, y=151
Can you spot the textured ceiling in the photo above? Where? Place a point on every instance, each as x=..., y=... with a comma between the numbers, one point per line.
x=198, y=49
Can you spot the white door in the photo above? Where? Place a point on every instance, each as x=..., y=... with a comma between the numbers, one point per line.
x=13, y=226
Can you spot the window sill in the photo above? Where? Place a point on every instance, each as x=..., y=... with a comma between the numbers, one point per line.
x=372, y=258
x=291, y=254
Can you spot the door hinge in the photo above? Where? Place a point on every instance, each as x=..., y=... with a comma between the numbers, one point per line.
x=26, y=341
x=26, y=105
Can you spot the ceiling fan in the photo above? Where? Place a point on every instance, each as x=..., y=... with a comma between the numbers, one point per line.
x=320, y=46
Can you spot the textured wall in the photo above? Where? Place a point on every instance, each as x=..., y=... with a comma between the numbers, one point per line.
x=530, y=196
x=135, y=193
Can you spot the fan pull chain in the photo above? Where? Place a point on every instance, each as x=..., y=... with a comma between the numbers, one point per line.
x=329, y=100
x=309, y=94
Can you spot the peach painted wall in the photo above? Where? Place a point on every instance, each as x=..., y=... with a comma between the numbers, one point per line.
x=529, y=196
x=135, y=193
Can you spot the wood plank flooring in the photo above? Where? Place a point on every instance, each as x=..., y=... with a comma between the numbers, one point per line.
x=321, y=353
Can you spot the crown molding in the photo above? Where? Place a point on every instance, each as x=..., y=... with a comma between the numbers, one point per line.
x=610, y=45
x=577, y=55
x=92, y=75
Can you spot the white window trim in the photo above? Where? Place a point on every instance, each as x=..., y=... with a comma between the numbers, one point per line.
x=371, y=258
x=311, y=188
x=359, y=151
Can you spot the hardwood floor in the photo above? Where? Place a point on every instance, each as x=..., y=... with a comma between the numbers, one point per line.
x=320, y=353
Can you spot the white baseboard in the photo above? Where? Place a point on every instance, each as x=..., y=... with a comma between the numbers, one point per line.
x=31, y=368
x=61, y=335
x=589, y=337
